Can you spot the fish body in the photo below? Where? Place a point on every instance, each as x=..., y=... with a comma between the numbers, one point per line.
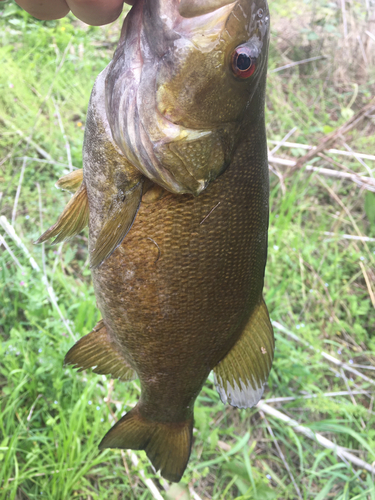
x=176, y=187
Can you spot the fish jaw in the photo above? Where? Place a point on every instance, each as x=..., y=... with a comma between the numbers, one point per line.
x=150, y=118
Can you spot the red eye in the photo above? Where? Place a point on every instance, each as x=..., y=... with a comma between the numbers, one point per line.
x=244, y=62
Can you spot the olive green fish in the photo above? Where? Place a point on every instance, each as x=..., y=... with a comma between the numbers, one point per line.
x=175, y=192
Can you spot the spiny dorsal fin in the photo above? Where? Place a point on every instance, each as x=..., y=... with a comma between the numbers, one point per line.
x=167, y=445
x=97, y=351
x=241, y=376
x=73, y=219
x=71, y=182
x=118, y=223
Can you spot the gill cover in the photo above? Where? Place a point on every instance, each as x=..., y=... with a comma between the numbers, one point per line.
x=174, y=106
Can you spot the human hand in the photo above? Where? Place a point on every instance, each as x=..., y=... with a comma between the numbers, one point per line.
x=94, y=12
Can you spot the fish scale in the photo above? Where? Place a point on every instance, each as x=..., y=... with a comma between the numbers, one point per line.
x=175, y=190
x=176, y=283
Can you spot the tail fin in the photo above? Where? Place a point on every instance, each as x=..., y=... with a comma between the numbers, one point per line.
x=167, y=445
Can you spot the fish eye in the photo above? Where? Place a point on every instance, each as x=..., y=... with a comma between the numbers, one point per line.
x=244, y=61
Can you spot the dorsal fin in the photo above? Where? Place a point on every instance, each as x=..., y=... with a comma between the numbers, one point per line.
x=241, y=376
x=73, y=219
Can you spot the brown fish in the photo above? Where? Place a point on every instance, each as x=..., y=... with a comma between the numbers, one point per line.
x=175, y=159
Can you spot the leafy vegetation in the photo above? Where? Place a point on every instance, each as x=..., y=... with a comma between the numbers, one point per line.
x=319, y=284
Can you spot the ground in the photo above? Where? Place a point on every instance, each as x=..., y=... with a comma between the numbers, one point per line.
x=319, y=280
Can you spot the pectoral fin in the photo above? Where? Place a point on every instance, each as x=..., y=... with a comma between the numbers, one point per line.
x=97, y=351
x=241, y=376
x=72, y=220
x=117, y=225
x=71, y=181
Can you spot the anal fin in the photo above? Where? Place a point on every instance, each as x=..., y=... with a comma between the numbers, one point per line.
x=96, y=350
x=73, y=219
x=71, y=182
x=117, y=224
x=240, y=377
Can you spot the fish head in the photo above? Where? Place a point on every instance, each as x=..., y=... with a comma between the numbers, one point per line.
x=180, y=84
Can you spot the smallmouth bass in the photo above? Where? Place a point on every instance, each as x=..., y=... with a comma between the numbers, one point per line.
x=175, y=192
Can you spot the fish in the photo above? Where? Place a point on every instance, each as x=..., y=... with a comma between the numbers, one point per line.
x=175, y=192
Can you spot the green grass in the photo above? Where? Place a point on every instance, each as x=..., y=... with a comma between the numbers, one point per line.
x=52, y=418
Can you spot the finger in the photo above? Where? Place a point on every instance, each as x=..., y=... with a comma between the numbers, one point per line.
x=96, y=12
x=45, y=9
